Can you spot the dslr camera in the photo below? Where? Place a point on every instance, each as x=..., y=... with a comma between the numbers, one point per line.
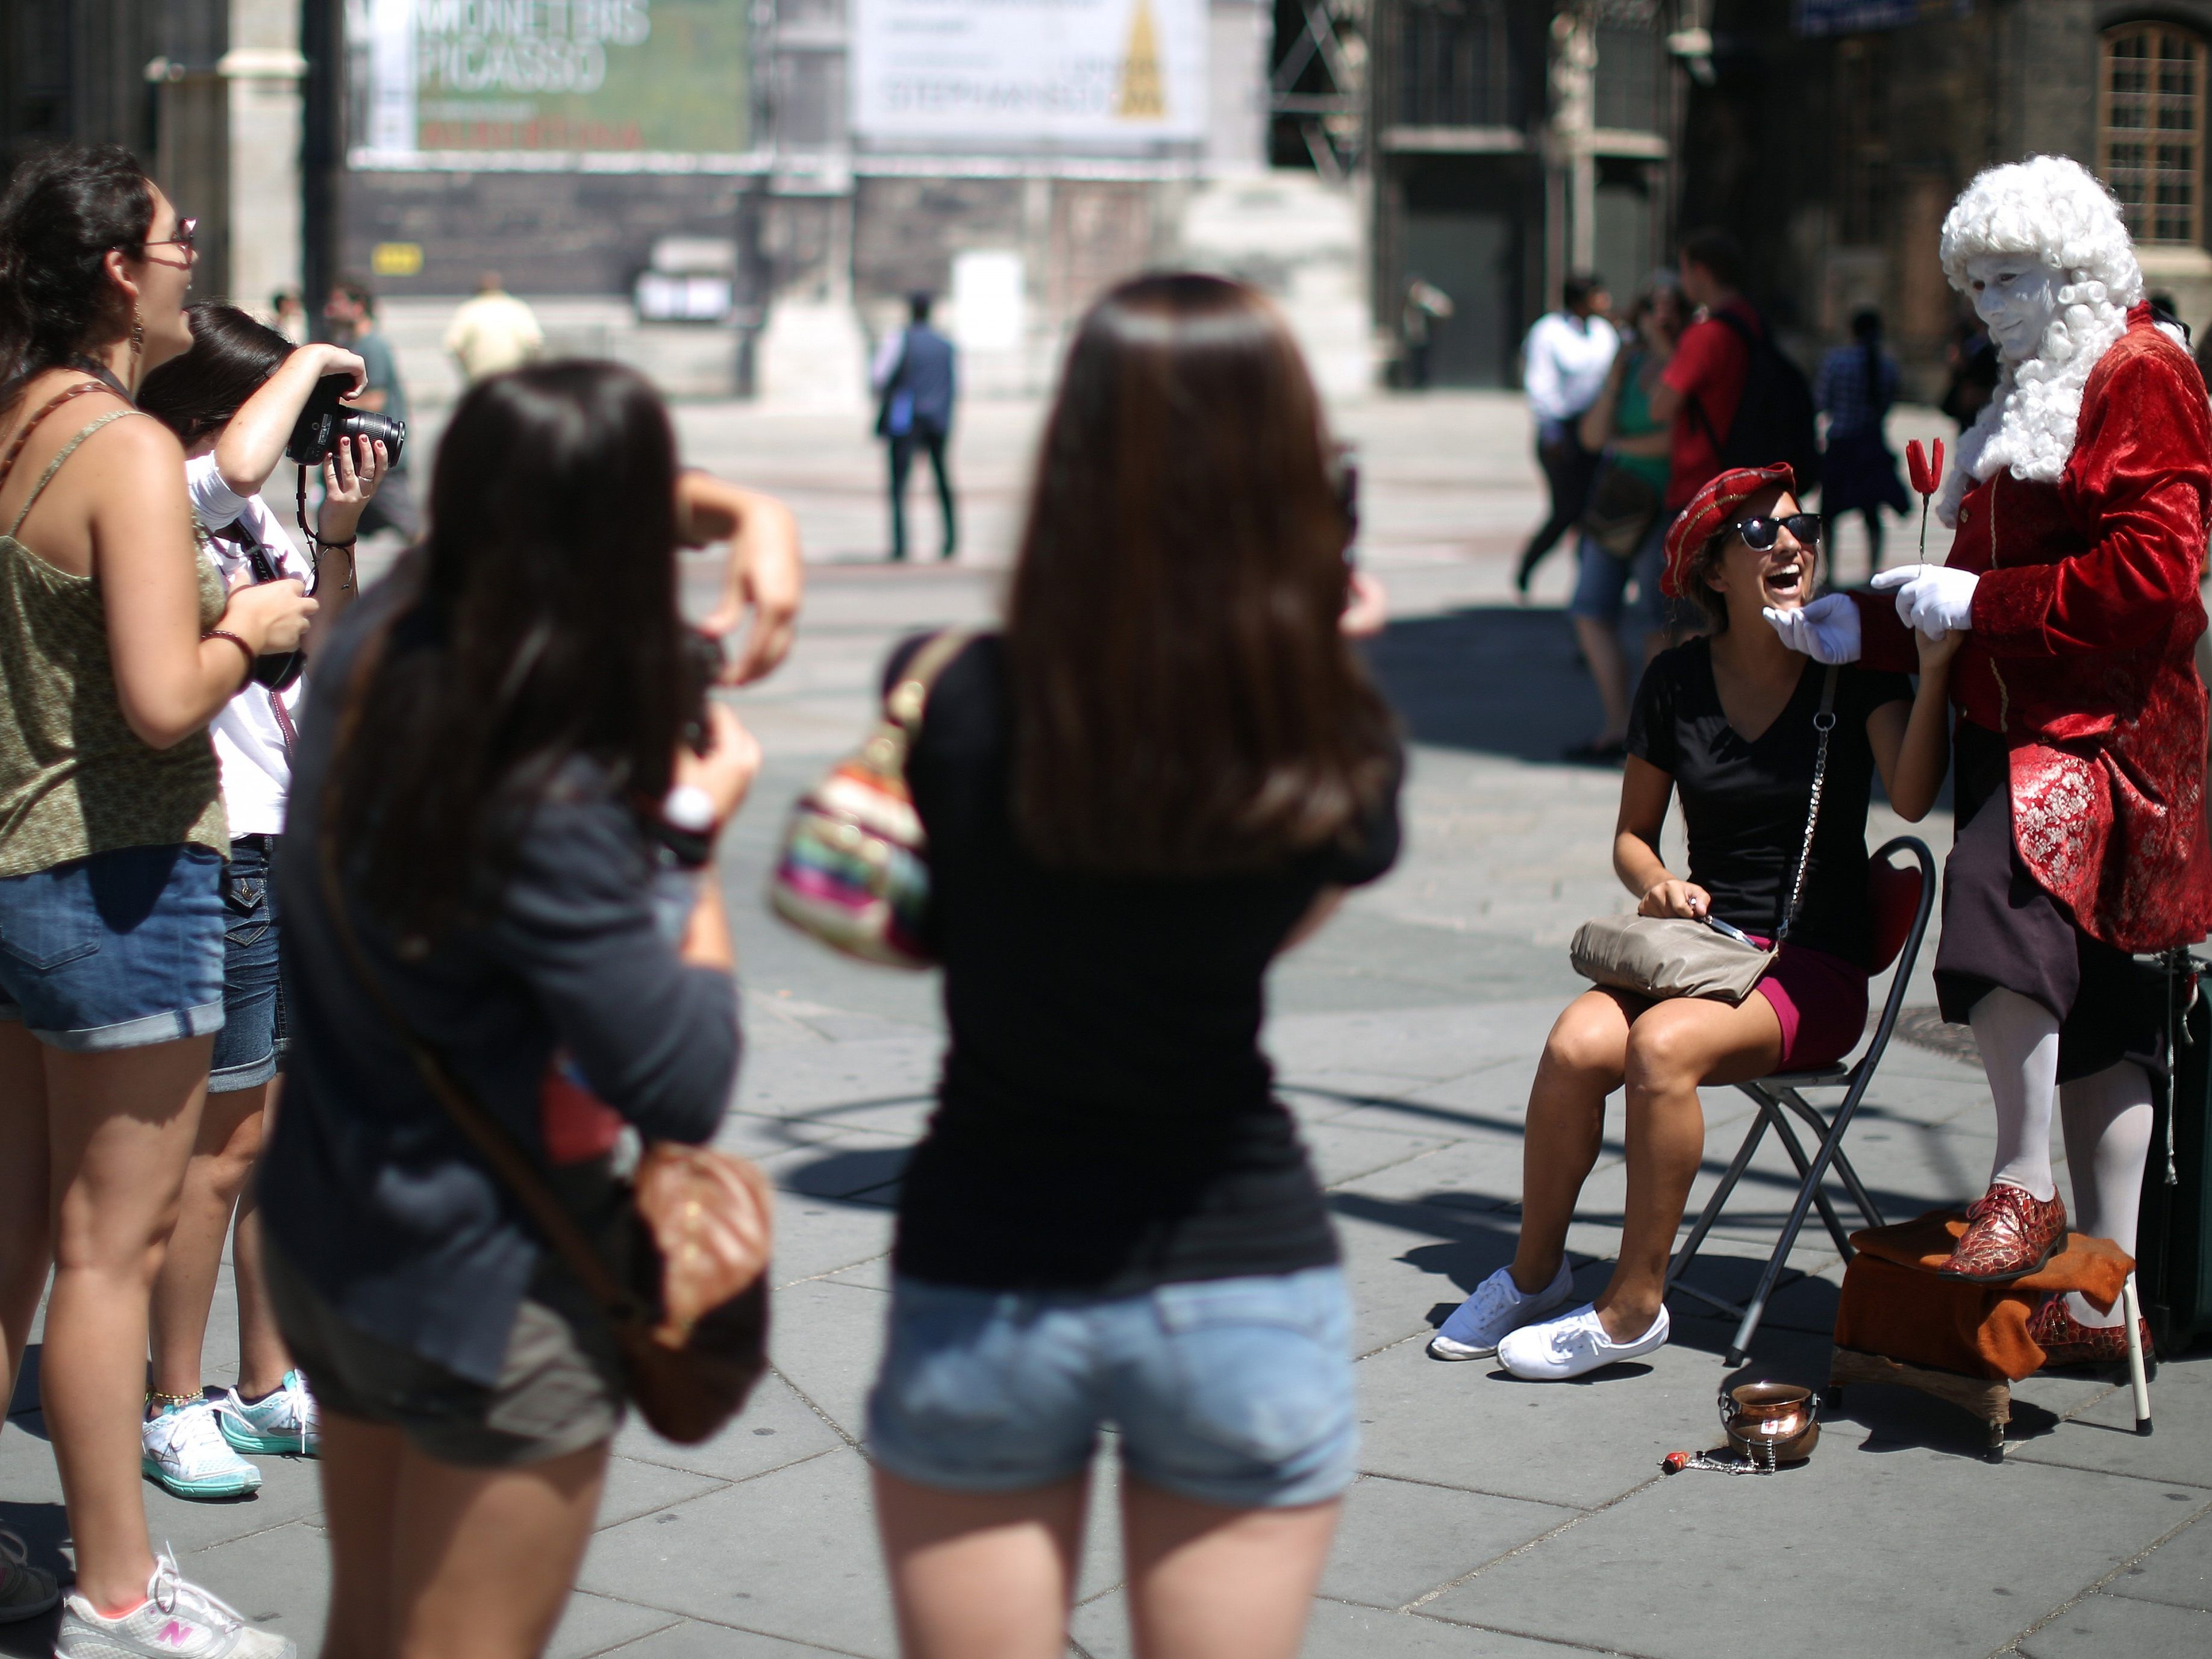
x=325, y=423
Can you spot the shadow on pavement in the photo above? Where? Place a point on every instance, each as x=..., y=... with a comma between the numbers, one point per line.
x=1497, y=678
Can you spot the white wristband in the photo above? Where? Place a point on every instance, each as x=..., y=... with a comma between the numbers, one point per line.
x=688, y=808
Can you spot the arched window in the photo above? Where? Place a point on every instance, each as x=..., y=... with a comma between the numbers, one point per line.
x=2150, y=130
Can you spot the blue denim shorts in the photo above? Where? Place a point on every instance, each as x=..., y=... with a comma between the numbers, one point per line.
x=119, y=950
x=1602, y=583
x=1235, y=1391
x=251, y=1043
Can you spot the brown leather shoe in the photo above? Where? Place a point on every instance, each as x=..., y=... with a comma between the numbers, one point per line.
x=2065, y=1340
x=2009, y=1234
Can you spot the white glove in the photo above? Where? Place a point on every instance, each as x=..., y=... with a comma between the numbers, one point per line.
x=1826, y=630
x=1932, y=597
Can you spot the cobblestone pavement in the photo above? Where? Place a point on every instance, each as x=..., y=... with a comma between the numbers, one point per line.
x=1490, y=1518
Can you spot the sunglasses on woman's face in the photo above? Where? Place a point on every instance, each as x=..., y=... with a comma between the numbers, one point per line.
x=1760, y=535
x=186, y=230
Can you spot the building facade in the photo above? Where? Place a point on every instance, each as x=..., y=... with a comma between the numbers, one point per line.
x=1836, y=133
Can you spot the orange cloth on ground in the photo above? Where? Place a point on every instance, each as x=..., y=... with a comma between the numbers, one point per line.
x=1894, y=1304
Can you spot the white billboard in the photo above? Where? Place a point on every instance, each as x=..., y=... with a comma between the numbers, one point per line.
x=1083, y=72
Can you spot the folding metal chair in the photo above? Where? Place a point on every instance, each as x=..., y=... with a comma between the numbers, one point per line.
x=1901, y=898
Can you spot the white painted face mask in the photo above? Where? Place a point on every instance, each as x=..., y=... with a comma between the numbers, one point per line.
x=2016, y=297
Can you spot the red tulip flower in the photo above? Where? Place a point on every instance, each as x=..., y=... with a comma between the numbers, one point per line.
x=1927, y=475
x=1927, y=478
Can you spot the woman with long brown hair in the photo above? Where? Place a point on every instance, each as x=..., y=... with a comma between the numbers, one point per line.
x=118, y=645
x=1165, y=770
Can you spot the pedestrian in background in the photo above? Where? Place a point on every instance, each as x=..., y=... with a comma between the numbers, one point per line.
x=1427, y=305
x=351, y=312
x=1624, y=534
x=915, y=377
x=233, y=401
x=118, y=645
x=288, y=316
x=1855, y=388
x=1703, y=383
x=495, y=763
x=1563, y=365
x=1164, y=771
x=492, y=333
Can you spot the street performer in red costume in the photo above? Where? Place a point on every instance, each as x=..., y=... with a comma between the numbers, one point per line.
x=2080, y=505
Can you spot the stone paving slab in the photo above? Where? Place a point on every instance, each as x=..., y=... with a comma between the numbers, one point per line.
x=1745, y=1571
x=2099, y=1626
x=2179, y=1572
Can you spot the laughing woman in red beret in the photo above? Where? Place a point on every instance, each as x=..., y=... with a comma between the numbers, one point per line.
x=1731, y=720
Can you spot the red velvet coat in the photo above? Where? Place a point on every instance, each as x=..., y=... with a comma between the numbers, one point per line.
x=2081, y=652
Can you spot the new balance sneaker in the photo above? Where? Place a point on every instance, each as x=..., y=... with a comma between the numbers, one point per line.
x=285, y=1420
x=1573, y=1345
x=1498, y=1305
x=177, y=1621
x=185, y=1453
x=25, y=1591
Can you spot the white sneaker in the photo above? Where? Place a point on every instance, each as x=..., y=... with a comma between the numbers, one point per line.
x=25, y=1591
x=1573, y=1344
x=283, y=1421
x=177, y=1621
x=184, y=1452
x=1498, y=1305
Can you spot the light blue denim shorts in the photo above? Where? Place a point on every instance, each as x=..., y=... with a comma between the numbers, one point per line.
x=119, y=950
x=1235, y=1391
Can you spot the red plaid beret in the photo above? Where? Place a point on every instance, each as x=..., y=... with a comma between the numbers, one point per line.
x=1708, y=514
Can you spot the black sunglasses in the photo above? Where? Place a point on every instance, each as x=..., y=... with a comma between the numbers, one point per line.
x=1760, y=534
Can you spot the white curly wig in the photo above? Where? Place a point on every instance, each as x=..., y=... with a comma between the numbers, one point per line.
x=2050, y=209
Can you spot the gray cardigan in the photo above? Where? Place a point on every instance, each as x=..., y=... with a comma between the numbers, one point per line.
x=367, y=1187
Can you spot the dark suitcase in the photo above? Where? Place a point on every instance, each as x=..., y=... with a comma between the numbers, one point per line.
x=2173, y=1240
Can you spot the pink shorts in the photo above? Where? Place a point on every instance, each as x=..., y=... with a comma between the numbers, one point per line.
x=1821, y=1001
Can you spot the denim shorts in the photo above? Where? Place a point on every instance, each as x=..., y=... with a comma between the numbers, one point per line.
x=1234, y=1392
x=119, y=950
x=251, y=1043
x=1601, y=584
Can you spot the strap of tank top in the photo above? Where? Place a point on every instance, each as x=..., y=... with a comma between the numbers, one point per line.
x=23, y=433
x=55, y=464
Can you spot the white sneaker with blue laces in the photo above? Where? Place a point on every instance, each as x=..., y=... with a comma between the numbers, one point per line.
x=185, y=1453
x=1574, y=1345
x=1498, y=1306
x=284, y=1420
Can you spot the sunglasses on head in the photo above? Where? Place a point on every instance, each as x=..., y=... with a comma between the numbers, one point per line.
x=1760, y=534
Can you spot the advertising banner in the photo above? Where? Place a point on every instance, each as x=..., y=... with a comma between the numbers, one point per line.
x=515, y=81
x=1080, y=73
x=1863, y=16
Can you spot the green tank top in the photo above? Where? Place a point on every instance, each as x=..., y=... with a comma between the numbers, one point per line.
x=1631, y=418
x=75, y=779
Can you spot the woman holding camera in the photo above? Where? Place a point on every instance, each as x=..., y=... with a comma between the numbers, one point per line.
x=500, y=759
x=233, y=400
x=118, y=645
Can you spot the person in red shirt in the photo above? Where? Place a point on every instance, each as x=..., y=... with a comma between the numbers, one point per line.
x=1705, y=380
x=2080, y=499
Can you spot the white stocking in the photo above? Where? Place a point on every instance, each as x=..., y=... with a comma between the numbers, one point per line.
x=2019, y=1040
x=2107, y=1119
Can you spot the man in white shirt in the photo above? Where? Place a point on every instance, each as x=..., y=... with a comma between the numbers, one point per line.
x=492, y=333
x=1563, y=365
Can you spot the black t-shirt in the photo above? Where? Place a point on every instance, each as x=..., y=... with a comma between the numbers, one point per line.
x=1745, y=802
x=1106, y=1121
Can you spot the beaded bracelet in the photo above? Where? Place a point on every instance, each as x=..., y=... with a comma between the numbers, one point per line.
x=225, y=633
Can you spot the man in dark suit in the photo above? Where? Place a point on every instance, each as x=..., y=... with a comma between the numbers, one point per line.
x=916, y=382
